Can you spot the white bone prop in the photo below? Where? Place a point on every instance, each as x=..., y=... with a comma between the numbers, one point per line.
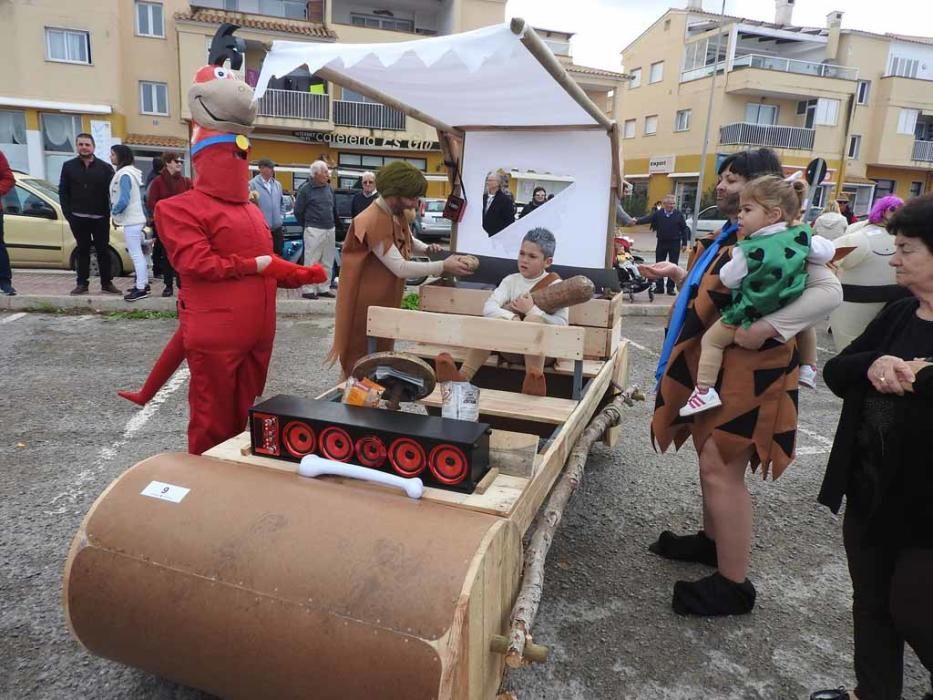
x=312, y=466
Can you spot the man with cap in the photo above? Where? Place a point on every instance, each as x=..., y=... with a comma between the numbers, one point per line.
x=269, y=199
x=376, y=261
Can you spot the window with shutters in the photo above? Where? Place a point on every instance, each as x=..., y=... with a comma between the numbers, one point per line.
x=651, y=124
x=628, y=130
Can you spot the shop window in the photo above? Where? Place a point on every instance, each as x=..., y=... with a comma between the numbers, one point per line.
x=149, y=19
x=59, y=134
x=883, y=188
x=13, y=139
x=67, y=45
x=916, y=188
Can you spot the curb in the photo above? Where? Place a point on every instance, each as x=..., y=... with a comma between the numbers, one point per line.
x=99, y=304
x=285, y=307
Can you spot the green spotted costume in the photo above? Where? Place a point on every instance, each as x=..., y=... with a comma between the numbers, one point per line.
x=777, y=274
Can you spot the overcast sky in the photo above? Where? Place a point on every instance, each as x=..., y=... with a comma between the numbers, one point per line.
x=605, y=27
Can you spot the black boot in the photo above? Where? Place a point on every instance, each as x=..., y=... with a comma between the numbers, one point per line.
x=696, y=548
x=713, y=596
x=831, y=694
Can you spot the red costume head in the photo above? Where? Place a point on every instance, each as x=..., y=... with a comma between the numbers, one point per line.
x=223, y=110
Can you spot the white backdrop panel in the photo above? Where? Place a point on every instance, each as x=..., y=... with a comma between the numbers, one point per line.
x=577, y=216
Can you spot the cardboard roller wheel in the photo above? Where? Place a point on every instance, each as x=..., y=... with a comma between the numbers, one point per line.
x=397, y=390
x=576, y=290
x=256, y=583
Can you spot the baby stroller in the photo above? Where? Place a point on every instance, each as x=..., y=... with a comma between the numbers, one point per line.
x=626, y=265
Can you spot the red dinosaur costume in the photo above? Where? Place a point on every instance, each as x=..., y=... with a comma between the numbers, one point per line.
x=218, y=242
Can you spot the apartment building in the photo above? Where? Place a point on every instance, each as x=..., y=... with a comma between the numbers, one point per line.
x=120, y=69
x=862, y=101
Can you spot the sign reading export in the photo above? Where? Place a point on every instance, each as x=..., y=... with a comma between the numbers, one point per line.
x=661, y=164
x=335, y=139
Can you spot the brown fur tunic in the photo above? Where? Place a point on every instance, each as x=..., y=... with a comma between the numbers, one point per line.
x=758, y=387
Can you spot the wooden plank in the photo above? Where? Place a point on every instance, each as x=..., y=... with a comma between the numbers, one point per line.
x=541, y=409
x=486, y=481
x=499, y=498
x=565, y=342
x=615, y=308
x=553, y=460
x=565, y=367
x=596, y=343
x=469, y=302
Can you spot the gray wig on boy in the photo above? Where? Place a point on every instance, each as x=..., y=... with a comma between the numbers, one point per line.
x=544, y=239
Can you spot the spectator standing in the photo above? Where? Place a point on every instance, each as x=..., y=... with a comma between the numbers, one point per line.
x=363, y=199
x=498, y=207
x=673, y=235
x=316, y=213
x=831, y=223
x=126, y=208
x=157, y=166
x=845, y=209
x=84, y=193
x=538, y=197
x=6, y=273
x=270, y=202
x=169, y=183
x=881, y=463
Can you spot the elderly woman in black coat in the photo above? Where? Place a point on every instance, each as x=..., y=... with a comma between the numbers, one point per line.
x=882, y=462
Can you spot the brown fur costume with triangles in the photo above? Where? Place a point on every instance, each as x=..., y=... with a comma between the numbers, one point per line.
x=758, y=388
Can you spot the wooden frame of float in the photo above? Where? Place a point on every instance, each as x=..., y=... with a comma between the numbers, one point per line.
x=495, y=573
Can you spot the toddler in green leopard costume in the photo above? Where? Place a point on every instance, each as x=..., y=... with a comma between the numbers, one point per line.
x=768, y=270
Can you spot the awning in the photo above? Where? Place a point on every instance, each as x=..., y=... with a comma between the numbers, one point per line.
x=77, y=107
x=528, y=175
x=683, y=175
x=486, y=77
x=639, y=176
x=430, y=177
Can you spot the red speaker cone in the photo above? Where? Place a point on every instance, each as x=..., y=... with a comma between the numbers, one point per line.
x=371, y=451
x=407, y=457
x=298, y=438
x=448, y=464
x=335, y=444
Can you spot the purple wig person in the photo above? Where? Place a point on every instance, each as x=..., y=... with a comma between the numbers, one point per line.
x=883, y=207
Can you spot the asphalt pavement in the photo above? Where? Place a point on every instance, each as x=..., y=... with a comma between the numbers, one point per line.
x=64, y=436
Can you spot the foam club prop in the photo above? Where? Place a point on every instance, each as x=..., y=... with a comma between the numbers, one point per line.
x=214, y=237
x=569, y=292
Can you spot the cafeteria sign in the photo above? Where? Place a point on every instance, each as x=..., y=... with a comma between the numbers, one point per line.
x=335, y=139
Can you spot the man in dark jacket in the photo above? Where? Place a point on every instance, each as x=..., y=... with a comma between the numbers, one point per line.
x=498, y=207
x=363, y=199
x=84, y=192
x=316, y=213
x=6, y=273
x=673, y=235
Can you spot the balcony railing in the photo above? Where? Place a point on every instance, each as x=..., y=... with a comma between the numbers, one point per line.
x=294, y=105
x=745, y=134
x=923, y=150
x=791, y=65
x=286, y=9
x=368, y=115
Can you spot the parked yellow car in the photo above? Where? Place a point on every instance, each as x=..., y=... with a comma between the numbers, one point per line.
x=37, y=235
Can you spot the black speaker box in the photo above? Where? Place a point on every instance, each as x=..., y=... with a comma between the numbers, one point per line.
x=444, y=453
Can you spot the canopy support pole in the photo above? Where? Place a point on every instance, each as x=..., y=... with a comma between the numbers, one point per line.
x=540, y=51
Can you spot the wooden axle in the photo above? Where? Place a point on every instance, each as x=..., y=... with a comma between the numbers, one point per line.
x=533, y=653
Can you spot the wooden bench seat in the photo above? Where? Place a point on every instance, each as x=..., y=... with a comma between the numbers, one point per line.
x=506, y=404
x=429, y=352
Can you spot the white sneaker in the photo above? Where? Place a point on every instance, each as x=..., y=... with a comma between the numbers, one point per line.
x=697, y=403
x=807, y=376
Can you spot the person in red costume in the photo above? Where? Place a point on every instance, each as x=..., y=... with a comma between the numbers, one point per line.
x=222, y=247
